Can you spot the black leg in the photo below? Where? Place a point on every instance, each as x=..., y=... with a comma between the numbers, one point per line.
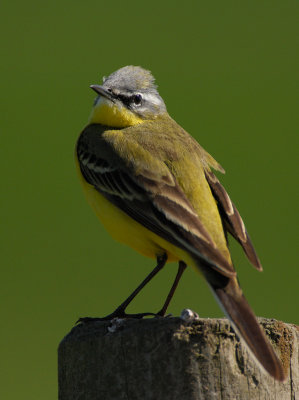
x=181, y=269
x=120, y=311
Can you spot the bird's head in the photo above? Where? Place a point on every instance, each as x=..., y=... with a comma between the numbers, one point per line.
x=127, y=97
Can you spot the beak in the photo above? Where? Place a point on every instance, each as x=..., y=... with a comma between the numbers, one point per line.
x=101, y=91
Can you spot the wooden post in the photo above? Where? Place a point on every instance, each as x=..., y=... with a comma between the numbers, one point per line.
x=170, y=359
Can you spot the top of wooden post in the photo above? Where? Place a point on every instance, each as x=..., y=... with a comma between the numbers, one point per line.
x=171, y=359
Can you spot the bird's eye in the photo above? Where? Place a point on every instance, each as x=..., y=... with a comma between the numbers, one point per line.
x=137, y=99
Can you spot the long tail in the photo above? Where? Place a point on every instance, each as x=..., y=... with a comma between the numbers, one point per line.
x=244, y=322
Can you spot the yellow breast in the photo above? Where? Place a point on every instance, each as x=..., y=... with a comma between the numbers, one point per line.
x=126, y=230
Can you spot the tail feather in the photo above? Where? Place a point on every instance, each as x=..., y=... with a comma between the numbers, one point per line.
x=244, y=322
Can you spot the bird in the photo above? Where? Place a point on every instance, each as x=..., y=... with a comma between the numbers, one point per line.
x=153, y=188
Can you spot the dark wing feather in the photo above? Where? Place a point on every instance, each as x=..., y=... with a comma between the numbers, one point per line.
x=159, y=205
x=232, y=220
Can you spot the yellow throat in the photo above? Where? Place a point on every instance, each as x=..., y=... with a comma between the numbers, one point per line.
x=106, y=113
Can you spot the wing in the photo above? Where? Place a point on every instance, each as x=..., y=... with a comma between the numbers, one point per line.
x=232, y=220
x=156, y=201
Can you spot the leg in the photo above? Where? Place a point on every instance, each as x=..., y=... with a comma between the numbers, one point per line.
x=182, y=267
x=120, y=311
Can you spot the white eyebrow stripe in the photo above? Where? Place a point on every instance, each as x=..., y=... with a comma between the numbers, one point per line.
x=151, y=98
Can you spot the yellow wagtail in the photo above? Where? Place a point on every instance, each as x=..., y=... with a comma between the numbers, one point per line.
x=151, y=185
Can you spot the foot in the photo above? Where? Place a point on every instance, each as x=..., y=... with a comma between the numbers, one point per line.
x=118, y=313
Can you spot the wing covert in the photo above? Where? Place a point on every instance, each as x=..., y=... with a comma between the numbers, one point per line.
x=158, y=204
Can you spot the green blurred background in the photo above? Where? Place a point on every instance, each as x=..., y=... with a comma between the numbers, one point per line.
x=228, y=74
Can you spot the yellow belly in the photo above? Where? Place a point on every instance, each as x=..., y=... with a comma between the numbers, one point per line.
x=126, y=230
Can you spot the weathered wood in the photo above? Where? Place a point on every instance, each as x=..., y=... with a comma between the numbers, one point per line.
x=169, y=359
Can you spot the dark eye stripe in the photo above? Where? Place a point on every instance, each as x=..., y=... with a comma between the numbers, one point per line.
x=125, y=99
x=129, y=100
